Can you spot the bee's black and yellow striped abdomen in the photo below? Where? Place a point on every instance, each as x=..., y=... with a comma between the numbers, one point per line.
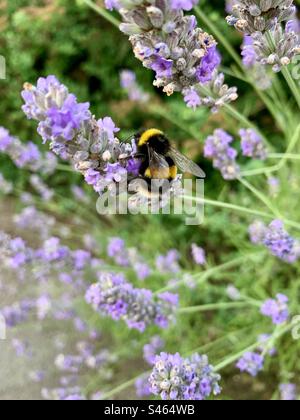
x=162, y=173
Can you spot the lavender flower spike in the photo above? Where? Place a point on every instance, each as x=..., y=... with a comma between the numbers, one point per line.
x=251, y=16
x=252, y=144
x=176, y=378
x=278, y=241
x=217, y=147
x=274, y=44
x=75, y=134
x=183, y=57
x=251, y=363
x=130, y=85
x=113, y=296
x=288, y=392
x=277, y=309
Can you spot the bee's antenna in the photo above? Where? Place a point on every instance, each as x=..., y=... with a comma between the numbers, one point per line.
x=128, y=138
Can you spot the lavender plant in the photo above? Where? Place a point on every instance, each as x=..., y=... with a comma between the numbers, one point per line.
x=184, y=57
x=272, y=44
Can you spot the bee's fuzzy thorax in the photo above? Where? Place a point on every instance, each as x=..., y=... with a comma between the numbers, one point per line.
x=148, y=134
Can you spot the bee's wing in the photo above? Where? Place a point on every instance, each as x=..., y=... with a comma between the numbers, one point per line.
x=185, y=164
x=157, y=160
x=158, y=165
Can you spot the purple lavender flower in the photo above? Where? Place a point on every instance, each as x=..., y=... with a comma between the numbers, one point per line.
x=264, y=344
x=142, y=270
x=92, y=177
x=142, y=386
x=22, y=348
x=252, y=144
x=252, y=363
x=113, y=296
x=293, y=25
x=115, y=247
x=53, y=250
x=168, y=263
x=217, y=147
x=69, y=363
x=183, y=4
x=112, y=4
x=152, y=349
x=198, y=255
x=129, y=83
x=41, y=188
x=26, y=155
x=37, y=376
x=192, y=99
x=5, y=140
x=248, y=52
x=75, y=397
x=61, y=116
x=277, y=309
x=209, y=63
x=97, y=396
x=17, y=313
x=32, y=219
x=63, y=394
x=288, y=392
x=257, y=232
x=20, y=254
x=133, y=167
x=295, y=254
x=79, y=194
x=115, y=172
x=79, y=324
x=117, y=250
x=64, y=121
x=81, y=259
x=43, y=306
x=127, y=78
x=109, y=127
x=176, y=378
x=162, y=67
x=229, y=5
x=278, y=241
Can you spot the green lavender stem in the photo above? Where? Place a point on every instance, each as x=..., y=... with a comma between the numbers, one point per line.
x=261, y=197
x=210, y=272
x=286, y=156
x=102, y=12
x=229, y=360
x=241, y=209
x=292, y=84
x=217, y=306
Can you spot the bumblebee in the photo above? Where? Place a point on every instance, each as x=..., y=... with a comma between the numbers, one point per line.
x=160, y=160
